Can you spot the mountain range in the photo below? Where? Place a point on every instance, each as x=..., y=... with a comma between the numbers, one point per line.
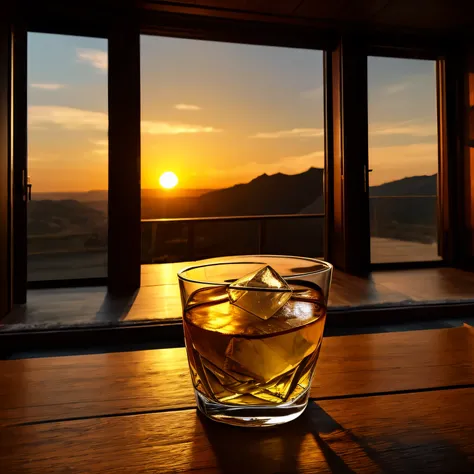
x=274, y=194
x=404, y=209
x=411, y=186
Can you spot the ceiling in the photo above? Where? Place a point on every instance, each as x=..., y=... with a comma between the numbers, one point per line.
x=435, y=18
x=409, y=15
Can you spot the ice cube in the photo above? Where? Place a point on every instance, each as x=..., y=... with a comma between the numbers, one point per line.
x=249, y=292
x=266, y=359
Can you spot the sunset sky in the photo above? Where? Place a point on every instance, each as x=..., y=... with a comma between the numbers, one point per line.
x=216, y=114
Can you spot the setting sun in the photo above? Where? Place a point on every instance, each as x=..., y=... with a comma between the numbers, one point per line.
x=168, y=180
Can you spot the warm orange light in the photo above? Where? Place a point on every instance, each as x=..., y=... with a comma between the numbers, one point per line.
x=168, y=180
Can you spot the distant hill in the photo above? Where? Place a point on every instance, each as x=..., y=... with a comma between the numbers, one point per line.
x=102, y=195
x=59, y=222
x=63, y=216
x=173, y=193
x=85, y=196
x=413, y=185
x=56, y=226
x=275, y=194
x=405, y=209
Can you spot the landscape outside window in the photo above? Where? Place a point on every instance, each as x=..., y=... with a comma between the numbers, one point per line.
x=67, y=157
x=241, y=130
x=403, y=158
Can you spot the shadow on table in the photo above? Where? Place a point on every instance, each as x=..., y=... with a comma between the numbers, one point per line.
x=283, y=449
x=316, y=442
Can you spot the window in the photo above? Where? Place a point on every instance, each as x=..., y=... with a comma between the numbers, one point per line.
x=232, y=150
x=67, y=157
x=403, y=160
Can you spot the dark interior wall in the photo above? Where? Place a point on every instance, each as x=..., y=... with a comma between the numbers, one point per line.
x=5, y=62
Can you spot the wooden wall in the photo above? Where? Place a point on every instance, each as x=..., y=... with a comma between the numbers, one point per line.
x=5, y=269
x=469, y=152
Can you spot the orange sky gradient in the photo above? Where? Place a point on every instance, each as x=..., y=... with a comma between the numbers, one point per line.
x=215, y=114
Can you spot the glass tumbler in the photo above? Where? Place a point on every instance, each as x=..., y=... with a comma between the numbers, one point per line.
x=253, y=328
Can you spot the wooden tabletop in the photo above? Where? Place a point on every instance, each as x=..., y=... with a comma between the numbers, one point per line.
x=394, y=402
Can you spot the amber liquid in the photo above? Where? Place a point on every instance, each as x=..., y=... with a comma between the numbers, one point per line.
x=238, y=358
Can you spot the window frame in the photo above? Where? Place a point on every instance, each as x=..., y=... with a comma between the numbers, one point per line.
x=78, y=22
x=45, y=28
x=427, y=54
x=259, y=34
x=290, y=35
x=448, y=96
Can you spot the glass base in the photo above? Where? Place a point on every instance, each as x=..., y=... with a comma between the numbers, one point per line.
x=252, y=416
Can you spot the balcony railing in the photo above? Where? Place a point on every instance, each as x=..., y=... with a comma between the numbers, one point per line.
x=177, y=239
x=410, y=218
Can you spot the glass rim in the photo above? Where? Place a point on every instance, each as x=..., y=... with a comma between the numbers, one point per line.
x=327, y=267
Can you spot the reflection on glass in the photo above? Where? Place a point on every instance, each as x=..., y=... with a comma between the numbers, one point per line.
x=67, y=157
x=403, y=158
x=230, y=130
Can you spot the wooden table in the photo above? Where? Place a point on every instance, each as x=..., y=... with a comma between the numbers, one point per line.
x=392, y=402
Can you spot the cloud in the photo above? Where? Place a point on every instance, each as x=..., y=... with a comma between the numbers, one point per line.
x=287, y=164
x=95, y=57
x=77, y=119
x=293, y=133
x=102, y=146
x=187, y=107
x=388, y=164
x=300, y=163
x=397, y=87
x=397, y=162
x=48, y=86
x=67, y=117
x=409, y=127
x=315, y=93
x=165, y=128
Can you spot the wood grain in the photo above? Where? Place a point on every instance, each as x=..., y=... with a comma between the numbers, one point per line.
x=419, y=432
x=128, y=382
x=428, y=285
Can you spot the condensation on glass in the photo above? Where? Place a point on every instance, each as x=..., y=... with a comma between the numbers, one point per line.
x=403, y=160
x=67, y=157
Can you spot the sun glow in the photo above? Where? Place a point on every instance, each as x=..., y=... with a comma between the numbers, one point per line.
x=168, y=180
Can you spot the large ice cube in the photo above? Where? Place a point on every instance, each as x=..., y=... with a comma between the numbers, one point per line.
x=249, y=292
x=267, y=358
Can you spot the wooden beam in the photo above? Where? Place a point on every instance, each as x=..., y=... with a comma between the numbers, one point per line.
x=124, y=154
x=19, y=162
x=348, y=232
x=5, y=156
x=453, y=188
x=468, y=155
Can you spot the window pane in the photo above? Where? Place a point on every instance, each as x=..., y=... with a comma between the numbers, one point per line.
x=403, y=158
x=241, y=128
x=67, y=157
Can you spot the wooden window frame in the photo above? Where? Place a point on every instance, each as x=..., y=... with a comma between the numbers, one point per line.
x=449, y=116
x=123, y=30
x=294, y=34
x=106, y=24
x=123, y=250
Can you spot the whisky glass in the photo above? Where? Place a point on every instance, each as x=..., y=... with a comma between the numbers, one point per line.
x=253, y=328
